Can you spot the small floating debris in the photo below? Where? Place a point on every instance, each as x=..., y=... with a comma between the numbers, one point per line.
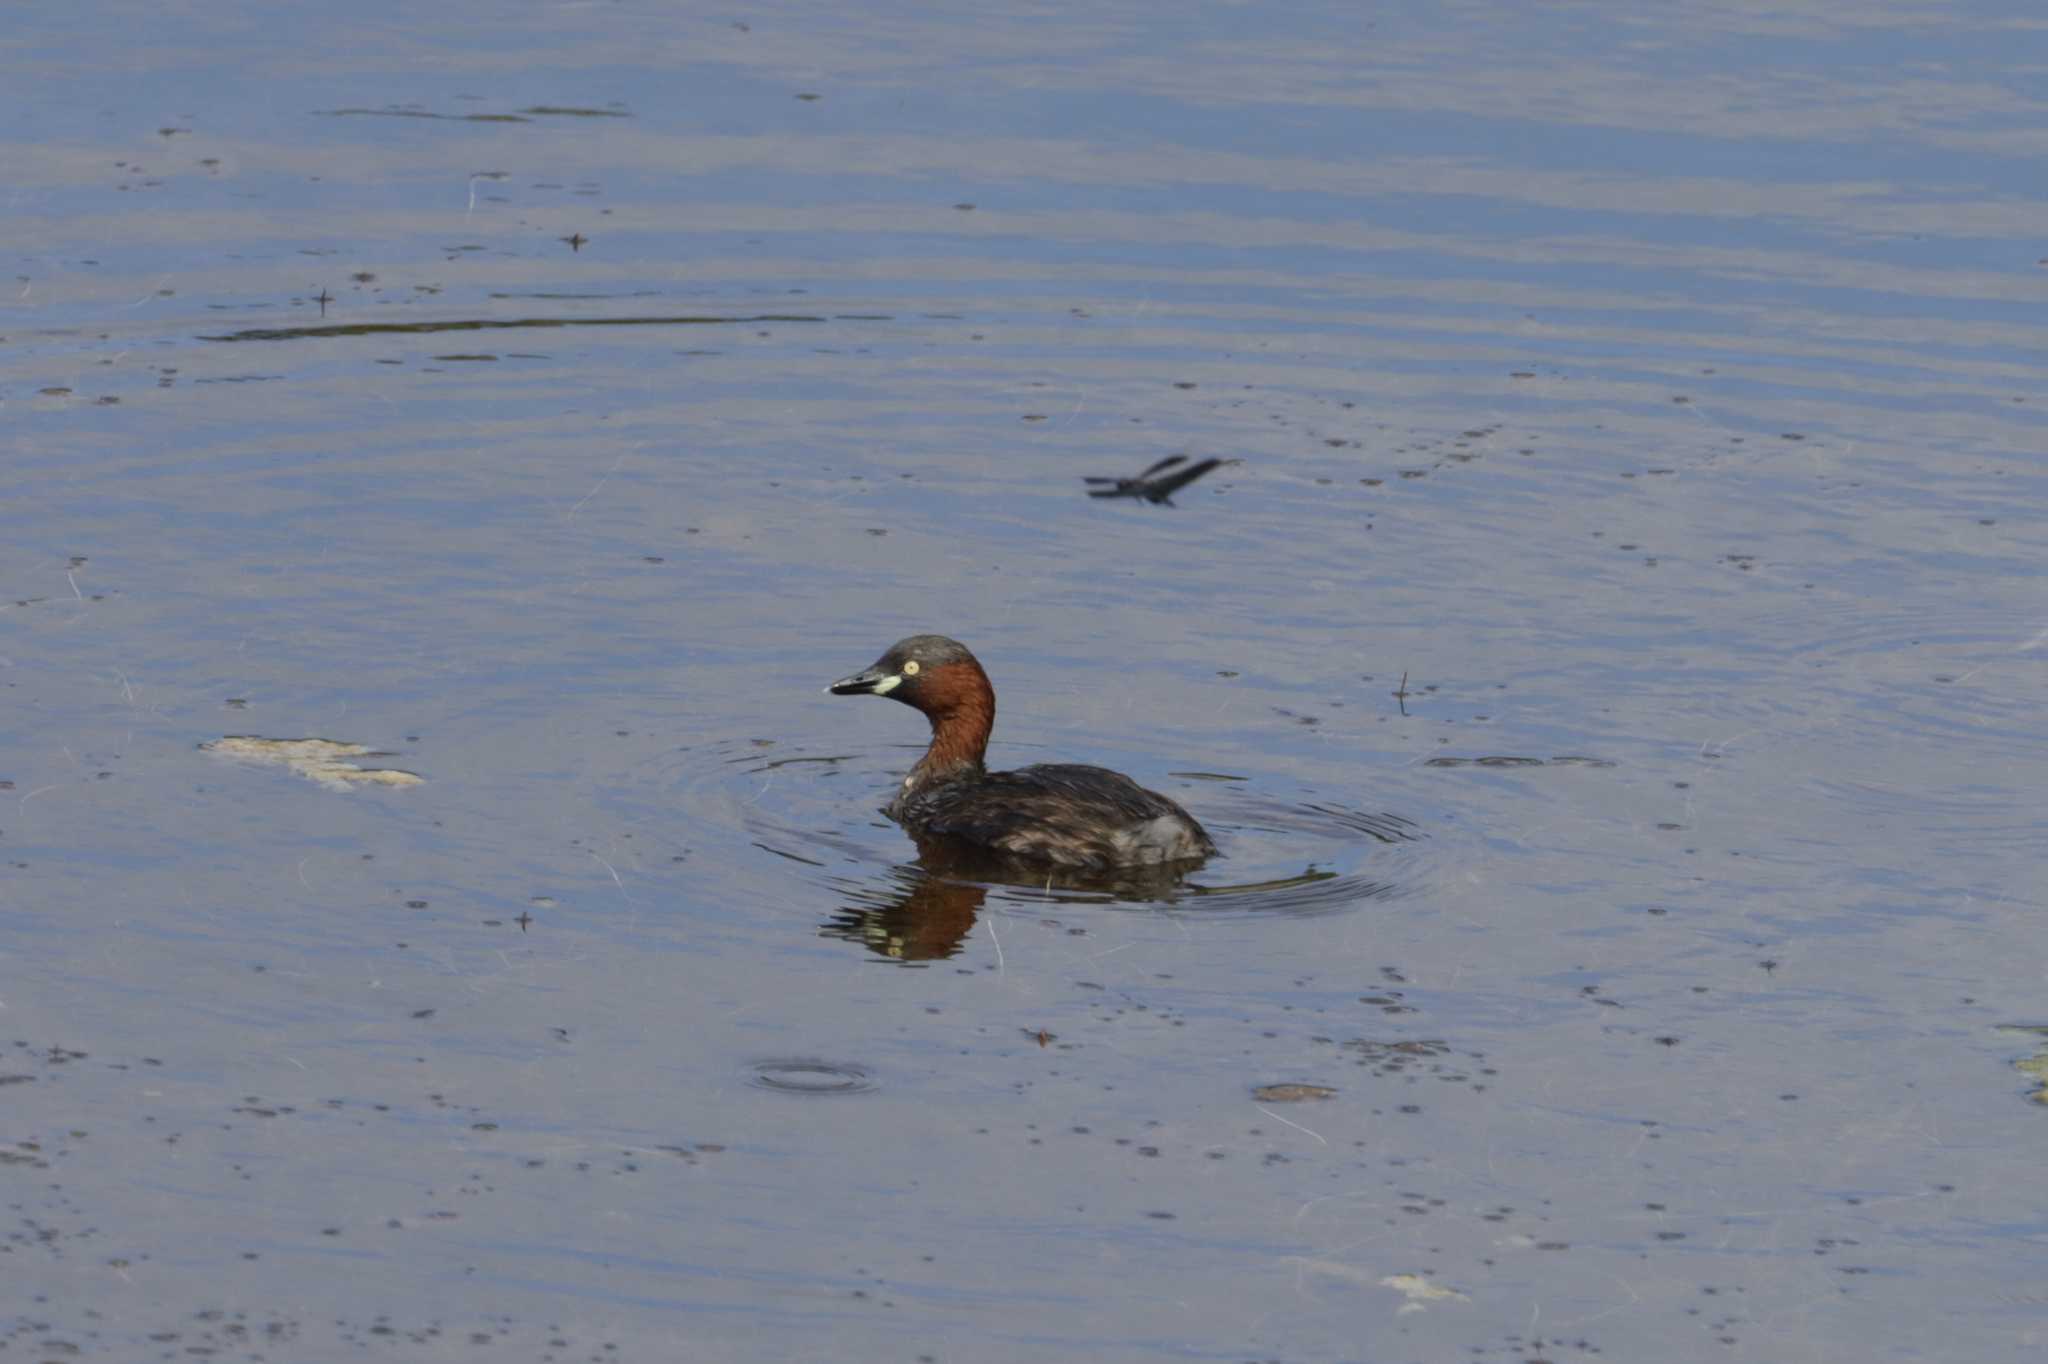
x=1291, y=1094
x=319, y=760
x=1156, y=485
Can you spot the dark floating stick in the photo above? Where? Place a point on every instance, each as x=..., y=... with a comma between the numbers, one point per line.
x=1155, y=484
x=499, y=324
x=1166, y=463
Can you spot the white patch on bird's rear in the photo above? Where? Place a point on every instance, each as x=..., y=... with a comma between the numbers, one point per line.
x=888, y=684
x=1163, y=838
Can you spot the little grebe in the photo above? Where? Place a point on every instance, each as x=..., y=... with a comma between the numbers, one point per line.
x=1067, y=815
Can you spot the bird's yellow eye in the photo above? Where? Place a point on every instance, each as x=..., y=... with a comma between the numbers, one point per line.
x=910, y=668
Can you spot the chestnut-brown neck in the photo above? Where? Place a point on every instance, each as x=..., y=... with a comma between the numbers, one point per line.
x=961, y=705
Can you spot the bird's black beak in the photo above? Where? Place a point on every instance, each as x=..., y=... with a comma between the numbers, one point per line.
x=875, y=681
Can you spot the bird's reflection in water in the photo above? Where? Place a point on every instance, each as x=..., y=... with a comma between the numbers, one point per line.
x=924, y=911
x=922, y=918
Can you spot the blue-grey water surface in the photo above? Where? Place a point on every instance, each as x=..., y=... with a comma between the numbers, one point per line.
x=1613, y=666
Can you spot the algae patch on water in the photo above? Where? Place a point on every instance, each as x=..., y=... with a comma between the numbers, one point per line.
x=320, y=760
x=1419, y=1292
x=2034, y=1067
